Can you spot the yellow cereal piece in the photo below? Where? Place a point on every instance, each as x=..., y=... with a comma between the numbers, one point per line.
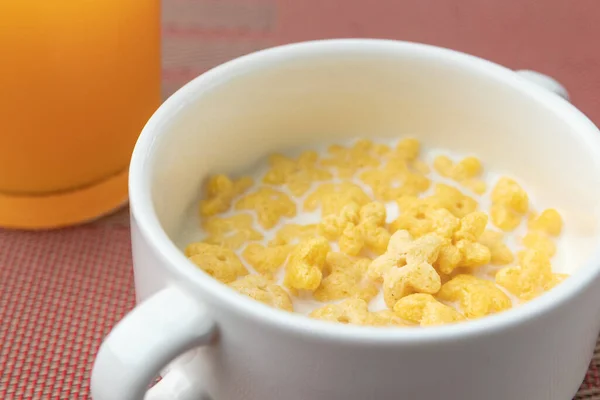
x=406, y=268
x=219, y=262
x=407, y=149
x=305, y=264
x=423, y=309
x=346, y=278
x=414, y=183
x=347, y=161
x=357, y=227
x=473, y=254
x=231, y=232
x=415, y=216
x=509, y=204
x=416, y=277
x=332, y=197
x=399, y=245
x=475, y=185
x=531, y=277
x=464, y=172
x=351, y=241
x=499, y=251
x=541, y=227
x=444, y=223
x=422, y=250
x=264, y=290
x=381, y=150
x=449, y=258
x=420, y=167
x=298, y=175
x=504, y=218
x=333, y=225
x=266, y=260
x=541, y=242
x=460, y=247
x=402, y=250
x=220, y=191
x=453, y=200
x=471, y=227
x=270, y=206
x=373, y=213
x=444, y=166
x=350, y=311
x=549, y=221
x=380, y=181
x=509, y=192
x=390, y=183
x=467, y=168
x=293, y=233
x=372, y=219
x=386, y=318
x=477, y=297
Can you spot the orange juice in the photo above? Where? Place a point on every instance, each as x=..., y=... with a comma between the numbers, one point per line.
x=78, y=80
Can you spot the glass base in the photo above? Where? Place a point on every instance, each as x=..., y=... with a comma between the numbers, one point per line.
x=66, y=208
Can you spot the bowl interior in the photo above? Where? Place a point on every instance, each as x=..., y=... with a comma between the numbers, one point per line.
x=285, y=98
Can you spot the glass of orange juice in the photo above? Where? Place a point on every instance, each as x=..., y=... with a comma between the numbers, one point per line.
x=78, y=80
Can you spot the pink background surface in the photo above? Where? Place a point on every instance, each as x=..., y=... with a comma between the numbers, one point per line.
x=62, y=291
x=557, y=37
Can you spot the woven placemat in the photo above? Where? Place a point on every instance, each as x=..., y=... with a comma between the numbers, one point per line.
x=60, y=294
x=62, y=291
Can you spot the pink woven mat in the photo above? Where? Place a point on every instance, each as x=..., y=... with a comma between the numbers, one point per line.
x=62, y=291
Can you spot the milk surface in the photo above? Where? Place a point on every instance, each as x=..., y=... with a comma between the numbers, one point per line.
x=572, y=249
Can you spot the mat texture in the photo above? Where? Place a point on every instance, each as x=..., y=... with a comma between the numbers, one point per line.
x=62, y=291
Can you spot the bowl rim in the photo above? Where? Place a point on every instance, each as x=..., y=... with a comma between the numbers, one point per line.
x=144, y=216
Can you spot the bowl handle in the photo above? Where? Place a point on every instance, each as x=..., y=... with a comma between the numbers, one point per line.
x=154, y=333
x=544, y=81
